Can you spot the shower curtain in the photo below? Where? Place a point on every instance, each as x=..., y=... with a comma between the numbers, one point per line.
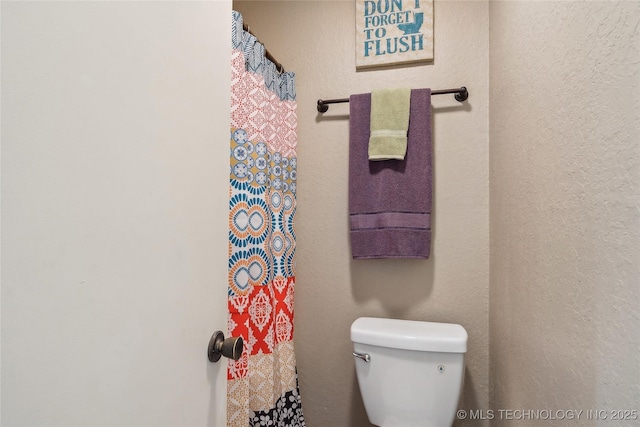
x=262, y=387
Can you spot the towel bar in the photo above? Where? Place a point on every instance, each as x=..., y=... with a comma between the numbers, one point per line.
x=461, y=95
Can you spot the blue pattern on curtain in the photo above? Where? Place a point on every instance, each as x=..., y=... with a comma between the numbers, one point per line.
x=262, y=387
x=283, y=84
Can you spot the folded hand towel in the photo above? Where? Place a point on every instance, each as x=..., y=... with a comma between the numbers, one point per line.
x=390, y=201
x=389, y=124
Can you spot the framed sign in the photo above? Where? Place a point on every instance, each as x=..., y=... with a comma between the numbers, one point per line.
x=393, y=32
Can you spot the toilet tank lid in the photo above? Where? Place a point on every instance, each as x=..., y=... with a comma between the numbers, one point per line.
x=410, y=335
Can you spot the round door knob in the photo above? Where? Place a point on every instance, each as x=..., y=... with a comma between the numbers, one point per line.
x=219, y=346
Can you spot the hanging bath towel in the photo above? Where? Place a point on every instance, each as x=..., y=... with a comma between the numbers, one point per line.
x=390, y=201
x=389, y=124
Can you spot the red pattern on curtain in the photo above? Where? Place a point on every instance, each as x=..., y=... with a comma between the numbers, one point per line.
x=262, y=386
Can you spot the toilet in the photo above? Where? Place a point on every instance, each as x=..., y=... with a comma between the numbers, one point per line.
x=410, y=373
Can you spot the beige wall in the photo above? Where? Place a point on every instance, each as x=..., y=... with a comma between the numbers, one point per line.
x=565, y=185
x=316, y=40
x=564, y=174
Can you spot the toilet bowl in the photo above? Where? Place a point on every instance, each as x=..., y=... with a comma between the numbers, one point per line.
x=410, y=373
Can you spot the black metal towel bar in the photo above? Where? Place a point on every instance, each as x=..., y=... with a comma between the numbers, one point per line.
x=461, y=95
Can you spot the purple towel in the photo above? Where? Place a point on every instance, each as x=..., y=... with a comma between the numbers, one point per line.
x=390, y=200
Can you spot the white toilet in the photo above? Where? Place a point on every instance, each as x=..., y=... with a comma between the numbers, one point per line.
x=410, y=373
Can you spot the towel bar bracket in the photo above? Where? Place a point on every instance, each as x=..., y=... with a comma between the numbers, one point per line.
x=322, y=107
x=462, y=95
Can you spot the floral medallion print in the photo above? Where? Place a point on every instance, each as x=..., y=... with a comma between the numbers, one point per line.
x=262, y=386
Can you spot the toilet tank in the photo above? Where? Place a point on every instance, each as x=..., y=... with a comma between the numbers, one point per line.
x=415, y=370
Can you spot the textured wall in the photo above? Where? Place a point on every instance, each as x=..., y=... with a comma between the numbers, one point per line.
x=316, y=40
x=565, y=185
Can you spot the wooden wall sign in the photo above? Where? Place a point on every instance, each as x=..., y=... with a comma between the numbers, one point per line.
x=393, y=32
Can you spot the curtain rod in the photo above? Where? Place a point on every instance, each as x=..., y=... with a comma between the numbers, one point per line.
x=461, y=95
x=267, y=54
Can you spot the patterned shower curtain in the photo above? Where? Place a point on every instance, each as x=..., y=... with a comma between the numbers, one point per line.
x=262, y=387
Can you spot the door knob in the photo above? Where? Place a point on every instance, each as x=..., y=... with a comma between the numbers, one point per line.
x=230, y=347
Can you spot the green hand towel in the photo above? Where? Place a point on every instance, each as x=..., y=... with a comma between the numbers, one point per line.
x=389, y=124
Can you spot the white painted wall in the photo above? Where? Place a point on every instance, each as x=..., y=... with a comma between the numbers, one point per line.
x=115, y=162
